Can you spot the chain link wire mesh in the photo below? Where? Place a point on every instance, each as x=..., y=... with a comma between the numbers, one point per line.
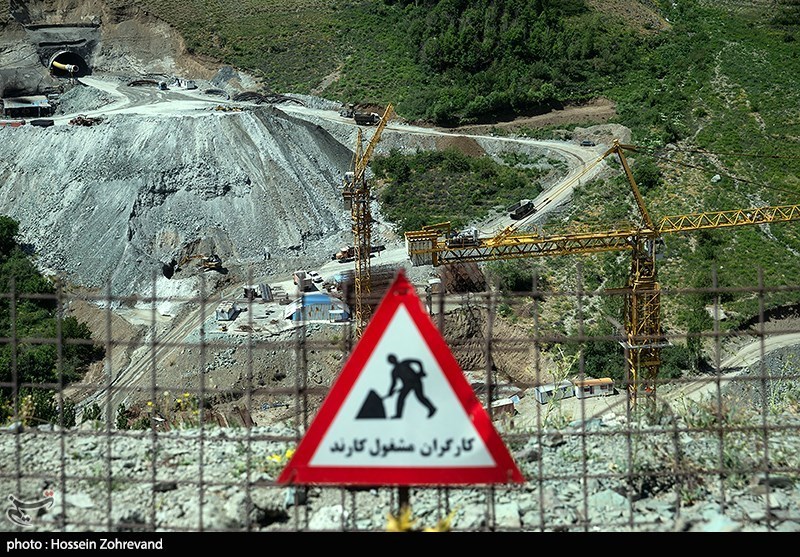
x=184, y=421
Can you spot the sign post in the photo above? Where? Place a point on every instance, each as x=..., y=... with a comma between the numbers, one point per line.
x=401, y=412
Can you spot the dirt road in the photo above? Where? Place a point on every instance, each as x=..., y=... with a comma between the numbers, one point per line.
x=531, y=412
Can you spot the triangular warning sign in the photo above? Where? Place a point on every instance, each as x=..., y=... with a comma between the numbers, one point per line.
x=401, y=411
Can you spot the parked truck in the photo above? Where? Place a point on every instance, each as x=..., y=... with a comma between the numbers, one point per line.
x=521, y=209
x=345, y=254
x=361, y=118
x=366, y=118
x=348, y=253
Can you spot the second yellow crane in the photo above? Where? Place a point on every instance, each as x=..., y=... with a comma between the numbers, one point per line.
x=436, y=245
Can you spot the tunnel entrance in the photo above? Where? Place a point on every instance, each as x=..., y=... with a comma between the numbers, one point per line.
x=168, y=269
x=68, y=64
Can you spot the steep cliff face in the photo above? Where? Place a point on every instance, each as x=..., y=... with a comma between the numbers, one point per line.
x=114, y=202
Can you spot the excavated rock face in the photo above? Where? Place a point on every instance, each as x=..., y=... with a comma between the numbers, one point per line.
x=126, y=200
x=110, y=36
x=115, y=201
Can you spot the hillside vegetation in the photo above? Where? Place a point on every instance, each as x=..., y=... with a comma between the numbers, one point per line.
x=709, y=89
x=718, y=81
x=449, y=62
x=48, y=351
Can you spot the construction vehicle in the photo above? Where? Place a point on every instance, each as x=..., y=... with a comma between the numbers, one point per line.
x=644, y=336
x=212, y=262
x=467, y=237
x=355, y=191
x=348, y=253
x=521, y=209
x=345, y=254
x=366, y=118
x=361, y=118
x=347, y=110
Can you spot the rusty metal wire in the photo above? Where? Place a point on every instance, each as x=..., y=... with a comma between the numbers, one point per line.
x=204, y=446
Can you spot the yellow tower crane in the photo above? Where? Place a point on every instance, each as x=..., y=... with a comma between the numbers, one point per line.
x=355, y=190
x=435, y=245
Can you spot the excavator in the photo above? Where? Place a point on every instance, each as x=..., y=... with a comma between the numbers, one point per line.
x=212, y=262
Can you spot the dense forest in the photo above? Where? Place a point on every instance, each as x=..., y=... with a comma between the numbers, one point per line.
x=490, y=60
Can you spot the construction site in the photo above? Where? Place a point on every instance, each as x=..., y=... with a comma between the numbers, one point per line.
x=225, y=247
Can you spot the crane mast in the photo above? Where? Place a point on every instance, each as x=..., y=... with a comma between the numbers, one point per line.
x=644, y=336
x=356, y=193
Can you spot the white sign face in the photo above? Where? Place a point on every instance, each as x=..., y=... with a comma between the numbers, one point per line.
x=402, y=411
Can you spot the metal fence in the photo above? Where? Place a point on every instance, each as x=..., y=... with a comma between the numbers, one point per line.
x=187, y=418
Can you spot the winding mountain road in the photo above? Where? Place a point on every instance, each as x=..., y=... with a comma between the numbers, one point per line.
x=585, y=164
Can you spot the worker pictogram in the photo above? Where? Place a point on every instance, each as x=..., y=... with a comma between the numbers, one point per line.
x=407, y=376
x=401, y=411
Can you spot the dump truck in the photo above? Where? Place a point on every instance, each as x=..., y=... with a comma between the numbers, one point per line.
x=345, y=254
x=361, y=118
x=348, y=253
x=366, y=118
x=521, y=209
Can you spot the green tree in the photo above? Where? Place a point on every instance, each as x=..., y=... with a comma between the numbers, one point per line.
x=646, y=174
x=9, y=228
x=516, y=275
x=34, y=357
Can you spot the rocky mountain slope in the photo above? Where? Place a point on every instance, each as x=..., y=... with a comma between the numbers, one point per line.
x=114, y=202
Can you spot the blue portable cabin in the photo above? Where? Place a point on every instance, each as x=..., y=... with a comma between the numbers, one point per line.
x=317, y=306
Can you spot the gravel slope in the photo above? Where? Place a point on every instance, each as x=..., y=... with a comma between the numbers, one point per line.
x=112, y=202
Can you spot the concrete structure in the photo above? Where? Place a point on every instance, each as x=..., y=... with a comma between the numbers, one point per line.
x=66, y=50
x=504, y=407
x=593, y=387
x=261, y=290
x=317, y=306
x=184, y=83
x=34, y=105
x=302, y=280
x=549, y=391
x=227, y=311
